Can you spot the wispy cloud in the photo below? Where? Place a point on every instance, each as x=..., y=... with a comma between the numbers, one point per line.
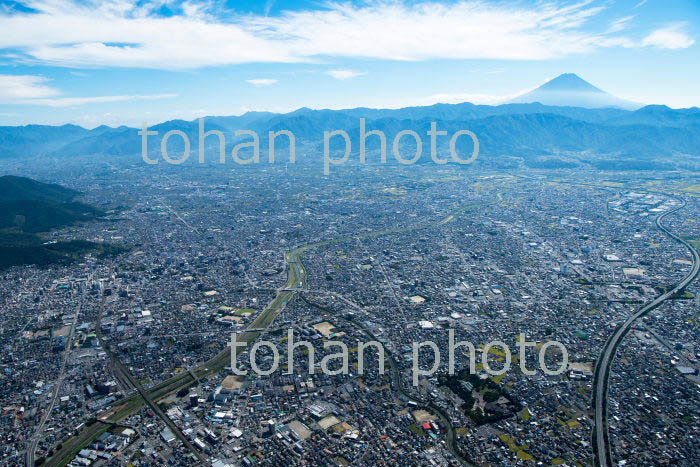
x=260, y=82
x=620, y=24
x=73, y=101
x=423, y=30
x=344, y=74
x=268, y=6
x=669, y=37
x=35, y=90
x=13, y=87
x=131, y=33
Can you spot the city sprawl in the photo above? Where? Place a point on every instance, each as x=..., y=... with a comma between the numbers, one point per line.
x=123, y=360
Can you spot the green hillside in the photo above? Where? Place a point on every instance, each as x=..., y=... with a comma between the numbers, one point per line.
x=28, y=207
x=42, y=216
x=13, y=188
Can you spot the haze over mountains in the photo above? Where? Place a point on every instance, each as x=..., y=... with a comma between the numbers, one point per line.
x=572, y=122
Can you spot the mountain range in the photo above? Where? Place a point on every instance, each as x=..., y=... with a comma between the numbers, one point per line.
x=566, y=119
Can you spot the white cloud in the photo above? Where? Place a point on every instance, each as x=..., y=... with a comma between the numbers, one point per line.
x=344, y=74
x=670, y=37
x=13, y=87
x=125, y=34
x=260, y=82
x=73, y=101
x=129, y=33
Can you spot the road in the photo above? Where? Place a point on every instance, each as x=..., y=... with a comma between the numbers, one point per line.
x=601, y=439
x=34, y=441
x=122, y=374
x=296, y=280
x=398, y=384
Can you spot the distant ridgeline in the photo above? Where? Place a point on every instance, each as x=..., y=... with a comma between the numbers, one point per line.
x=28, y=207
x=510, y=135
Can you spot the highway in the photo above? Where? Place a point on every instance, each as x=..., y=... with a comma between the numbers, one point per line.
x=602, y=452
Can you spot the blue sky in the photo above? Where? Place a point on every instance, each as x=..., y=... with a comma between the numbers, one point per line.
x=125, y=62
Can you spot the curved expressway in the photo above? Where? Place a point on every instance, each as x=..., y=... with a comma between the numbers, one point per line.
x=602, y=453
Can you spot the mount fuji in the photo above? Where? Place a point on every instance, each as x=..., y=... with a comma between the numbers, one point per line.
x=570, y=90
